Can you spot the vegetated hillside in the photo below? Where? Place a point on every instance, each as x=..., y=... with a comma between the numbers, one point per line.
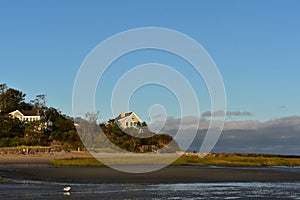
x=58, y=129
x=54, y=128
x=139, y=139
x=109, y=137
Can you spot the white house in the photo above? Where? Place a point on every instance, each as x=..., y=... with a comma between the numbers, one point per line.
x=127, y=120
x=27, y=115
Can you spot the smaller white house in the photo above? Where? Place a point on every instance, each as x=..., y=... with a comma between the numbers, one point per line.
x=27, y=115
x=127, y=120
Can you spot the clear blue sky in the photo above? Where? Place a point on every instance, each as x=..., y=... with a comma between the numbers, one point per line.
x=255, y=44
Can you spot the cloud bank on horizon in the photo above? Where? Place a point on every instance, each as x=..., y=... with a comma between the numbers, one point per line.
x=278, y=136
x=222, y=113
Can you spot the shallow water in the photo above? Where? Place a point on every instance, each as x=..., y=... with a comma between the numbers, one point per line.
x=30, y=189
x=255, y=190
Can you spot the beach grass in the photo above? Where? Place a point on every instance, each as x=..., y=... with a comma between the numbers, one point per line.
x=76, y=162
x=185, y=160
x=237, y=161
x=130, y=160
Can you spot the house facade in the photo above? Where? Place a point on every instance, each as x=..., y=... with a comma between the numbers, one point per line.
x=27, y=115
x=127, y=120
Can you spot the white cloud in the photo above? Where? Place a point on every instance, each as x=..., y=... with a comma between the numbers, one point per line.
x=280, y=136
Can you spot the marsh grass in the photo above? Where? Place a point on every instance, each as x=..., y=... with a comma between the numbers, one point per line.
x=76, y=162
x=237, y=161
x=130, y=160
x=184, y=160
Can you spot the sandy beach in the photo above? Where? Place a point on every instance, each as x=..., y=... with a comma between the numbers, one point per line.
x=38, y=168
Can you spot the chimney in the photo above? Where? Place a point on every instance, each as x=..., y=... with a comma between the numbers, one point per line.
x=122, y=114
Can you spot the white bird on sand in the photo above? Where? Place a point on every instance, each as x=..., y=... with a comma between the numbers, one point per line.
x=67, y=189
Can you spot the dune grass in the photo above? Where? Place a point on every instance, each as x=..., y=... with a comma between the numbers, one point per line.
x=233, y=160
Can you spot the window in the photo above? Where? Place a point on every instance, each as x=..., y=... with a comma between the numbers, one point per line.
x=130, y=123
x=126, y=123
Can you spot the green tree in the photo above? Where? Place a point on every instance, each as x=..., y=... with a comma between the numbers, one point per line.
x=39, y=102
x=10, y=127
x=34, y=133
x=10, y=99
x=3, y=88
x=90, y=132
x=25, y=106
x=144, y=124
x=138, y=139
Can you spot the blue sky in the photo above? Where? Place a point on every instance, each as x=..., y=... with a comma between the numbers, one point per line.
x=255, y=45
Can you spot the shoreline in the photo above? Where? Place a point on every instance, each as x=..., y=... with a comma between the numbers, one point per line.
x=167, y=175
x=37, y=167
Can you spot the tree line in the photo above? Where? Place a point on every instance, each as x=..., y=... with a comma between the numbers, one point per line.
x=56, y=128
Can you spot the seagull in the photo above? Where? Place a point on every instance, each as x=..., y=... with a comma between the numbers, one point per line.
x=67, y=189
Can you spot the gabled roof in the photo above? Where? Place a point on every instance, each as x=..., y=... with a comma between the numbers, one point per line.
x=127, y=115
x=28, y=112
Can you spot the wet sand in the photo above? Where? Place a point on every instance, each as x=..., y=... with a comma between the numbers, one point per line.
x=38, y=168
x=40, y=180
x=171, y=174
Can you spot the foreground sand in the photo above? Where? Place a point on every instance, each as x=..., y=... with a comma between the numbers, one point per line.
x=38, y=168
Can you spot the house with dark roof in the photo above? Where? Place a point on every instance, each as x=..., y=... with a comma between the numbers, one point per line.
x=127, y=120
x=27, y=115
